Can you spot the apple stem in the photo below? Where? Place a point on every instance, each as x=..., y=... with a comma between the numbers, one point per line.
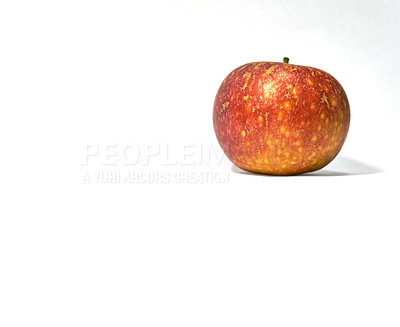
x=286, y=60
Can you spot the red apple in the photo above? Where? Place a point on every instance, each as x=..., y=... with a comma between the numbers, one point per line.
x=280, y=119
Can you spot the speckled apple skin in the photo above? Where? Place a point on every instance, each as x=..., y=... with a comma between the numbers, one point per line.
x=280, y=119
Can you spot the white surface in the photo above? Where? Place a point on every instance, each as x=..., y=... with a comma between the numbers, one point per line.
x=78, y=76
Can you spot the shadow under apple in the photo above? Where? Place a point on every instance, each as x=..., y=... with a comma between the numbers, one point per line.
x=340, y=166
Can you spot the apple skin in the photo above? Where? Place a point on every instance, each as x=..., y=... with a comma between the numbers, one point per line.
x=280, y=119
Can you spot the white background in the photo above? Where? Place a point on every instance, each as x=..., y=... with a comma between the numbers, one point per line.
x=312, y=250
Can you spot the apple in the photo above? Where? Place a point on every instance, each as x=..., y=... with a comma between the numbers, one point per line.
x=280, y=119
